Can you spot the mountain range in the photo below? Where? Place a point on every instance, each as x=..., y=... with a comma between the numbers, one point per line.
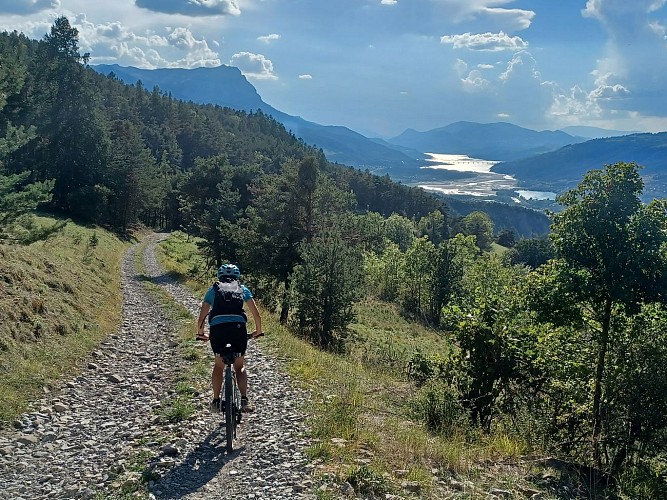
x=400, y=156
x=537, y=159
x=489, y=141
x=226, y=86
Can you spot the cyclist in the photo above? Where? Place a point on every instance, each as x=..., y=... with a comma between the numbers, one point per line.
x=223, y=304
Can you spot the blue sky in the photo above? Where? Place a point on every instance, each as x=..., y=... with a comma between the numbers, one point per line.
x=382, y=66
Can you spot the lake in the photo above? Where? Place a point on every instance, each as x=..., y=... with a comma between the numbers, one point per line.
x=482, y=182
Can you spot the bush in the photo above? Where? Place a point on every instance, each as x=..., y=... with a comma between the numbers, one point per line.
x=424, y=367
x=437, y=405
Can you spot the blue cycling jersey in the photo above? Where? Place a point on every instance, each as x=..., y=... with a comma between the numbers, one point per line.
x=226, y=318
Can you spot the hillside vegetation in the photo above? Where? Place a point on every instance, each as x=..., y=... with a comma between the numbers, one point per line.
x=58, y=299
x=430, y=333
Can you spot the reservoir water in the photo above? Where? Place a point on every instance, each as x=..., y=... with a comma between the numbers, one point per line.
x=481, y=182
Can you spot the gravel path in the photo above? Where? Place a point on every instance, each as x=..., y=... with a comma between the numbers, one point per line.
x=81, y=440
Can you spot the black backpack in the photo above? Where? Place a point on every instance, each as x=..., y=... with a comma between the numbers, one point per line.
x=228, y=299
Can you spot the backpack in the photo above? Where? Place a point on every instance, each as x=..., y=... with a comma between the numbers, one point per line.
x=228, y=299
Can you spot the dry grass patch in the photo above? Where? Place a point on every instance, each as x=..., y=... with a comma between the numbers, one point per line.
x=58, y=299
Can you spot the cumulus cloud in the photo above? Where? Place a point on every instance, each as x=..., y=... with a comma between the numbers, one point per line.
x=523, y=90
x=474, y=82
x=268, y=38
x=112, y=41
x=491, y=11
x=389, y=2
x=22, y=7
x=305, y=77
x=633, y=74
x=254, y=66
x=517, y=19
x=192, y=7
x=491, y=42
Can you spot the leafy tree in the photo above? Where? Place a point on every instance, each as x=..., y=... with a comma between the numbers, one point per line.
x=506, y=238
x=278, y=222
x=211, y=199
x=612, y=249
x=532, y=252
x=325, y=285
x=434, y=225
x=418, y=275
x=496, y=345
x=18, y=197
x=479, y=225
x=384, y=272
x=400, y=230
x=451, y=260
x=134, y=185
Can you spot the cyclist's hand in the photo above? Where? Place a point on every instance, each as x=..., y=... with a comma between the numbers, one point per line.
x=201, y=335
x=256, y=334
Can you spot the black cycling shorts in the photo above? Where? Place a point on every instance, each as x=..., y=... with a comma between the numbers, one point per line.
x=229, y=333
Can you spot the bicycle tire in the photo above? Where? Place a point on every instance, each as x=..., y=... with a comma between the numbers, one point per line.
x=237, y=404
x=230, y=418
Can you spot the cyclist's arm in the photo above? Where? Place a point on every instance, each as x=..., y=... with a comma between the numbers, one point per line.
x=255, y=316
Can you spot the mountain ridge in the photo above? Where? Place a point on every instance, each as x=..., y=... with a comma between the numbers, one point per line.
x=226, y=86
x=565, y=167
x=502, y=140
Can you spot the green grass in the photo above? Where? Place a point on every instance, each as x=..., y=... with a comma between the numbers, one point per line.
x=58, y=300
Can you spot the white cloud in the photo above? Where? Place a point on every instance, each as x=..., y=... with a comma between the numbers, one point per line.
x=192, y=7
x=610, y=92
x=474, y=82
x=461, y=67
x=305, y=77
x=490, y=10
x=633, y=74
x=268, y=38
x=485, y=66
x=492, y=42
x=23, y=7
x=389, y=2
x=112, y=41
x=254, y=66
x=517, y=19
x=523, y=93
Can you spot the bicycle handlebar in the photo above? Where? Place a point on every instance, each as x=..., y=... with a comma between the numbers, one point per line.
x=205, y=338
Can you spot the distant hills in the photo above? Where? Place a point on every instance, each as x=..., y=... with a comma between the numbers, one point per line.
x=400, y=156
x=565, y=167
x=596, y=132
x=488, y=141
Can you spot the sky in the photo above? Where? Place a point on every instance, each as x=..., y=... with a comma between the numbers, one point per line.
x=380, y=67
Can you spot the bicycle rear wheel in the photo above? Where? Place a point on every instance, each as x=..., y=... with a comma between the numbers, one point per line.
x=230, y=418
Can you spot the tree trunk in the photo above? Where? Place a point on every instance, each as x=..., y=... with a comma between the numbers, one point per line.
x=599, y=374
x=284, y=311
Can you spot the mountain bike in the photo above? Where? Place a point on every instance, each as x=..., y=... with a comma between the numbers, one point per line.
x=232, y=398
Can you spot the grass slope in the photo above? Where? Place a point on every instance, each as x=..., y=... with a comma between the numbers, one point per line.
x=58, y=299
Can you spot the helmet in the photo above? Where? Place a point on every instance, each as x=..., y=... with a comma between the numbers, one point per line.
x=229, y=270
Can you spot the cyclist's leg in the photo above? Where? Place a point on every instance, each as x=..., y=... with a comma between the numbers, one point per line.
x=241, y=375
x=217, y=376
x=217, y=339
